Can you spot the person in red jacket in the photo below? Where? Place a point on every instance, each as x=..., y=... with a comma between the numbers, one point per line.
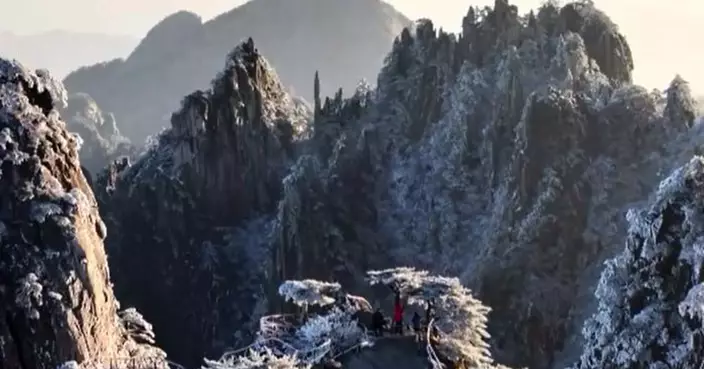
x=398, y=314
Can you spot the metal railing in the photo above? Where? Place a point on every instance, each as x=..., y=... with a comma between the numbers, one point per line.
x=430, y=350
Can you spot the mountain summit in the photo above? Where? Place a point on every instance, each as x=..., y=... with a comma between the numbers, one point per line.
x=344, y=40
x=223, y=158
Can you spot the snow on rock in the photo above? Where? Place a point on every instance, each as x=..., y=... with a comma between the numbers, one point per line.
x=57, y=302
x=309, y=292
x=650, y=295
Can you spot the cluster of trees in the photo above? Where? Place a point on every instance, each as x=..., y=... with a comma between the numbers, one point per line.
x=286, y=341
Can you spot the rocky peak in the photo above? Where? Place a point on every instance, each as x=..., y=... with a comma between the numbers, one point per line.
x=195, y=196
x=681, y=105
x=236, y=137
x=603, y=41
x=58, y=303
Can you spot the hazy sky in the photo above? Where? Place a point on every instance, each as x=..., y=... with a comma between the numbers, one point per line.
x=664, y=35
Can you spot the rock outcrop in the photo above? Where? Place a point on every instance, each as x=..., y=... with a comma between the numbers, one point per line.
x=175, y=246
x=651, y=294
x=101, y=140
x=182, y=53
x=57, y=301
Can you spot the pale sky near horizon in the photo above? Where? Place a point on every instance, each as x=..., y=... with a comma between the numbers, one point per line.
x=665, y=38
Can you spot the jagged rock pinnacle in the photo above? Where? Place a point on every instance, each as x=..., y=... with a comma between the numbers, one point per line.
x=219, y=165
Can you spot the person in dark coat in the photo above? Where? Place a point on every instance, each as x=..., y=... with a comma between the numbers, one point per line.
x=417, y=329
x=378, y=322
x=429, y=311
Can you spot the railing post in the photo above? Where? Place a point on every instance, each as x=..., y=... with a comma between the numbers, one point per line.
x=432, y=356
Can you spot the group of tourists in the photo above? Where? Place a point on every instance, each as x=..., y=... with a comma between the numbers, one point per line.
x=379, y=323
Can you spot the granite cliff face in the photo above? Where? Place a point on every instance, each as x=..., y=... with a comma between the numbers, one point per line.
x=344, y=40
x=506, y=155
x=173, y=215
x=57, y=300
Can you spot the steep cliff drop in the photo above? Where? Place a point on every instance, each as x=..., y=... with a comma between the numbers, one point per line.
x=57, y=303
x=189, y=220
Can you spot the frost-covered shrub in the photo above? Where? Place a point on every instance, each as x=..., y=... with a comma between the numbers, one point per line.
x=309, y=292
x=29, y=295
x=337, y=326
x=69, y=365
x=285, y=342
x=265, y=359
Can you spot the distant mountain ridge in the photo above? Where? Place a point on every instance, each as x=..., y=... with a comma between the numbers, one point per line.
x=61, y=51
x=345, y=41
